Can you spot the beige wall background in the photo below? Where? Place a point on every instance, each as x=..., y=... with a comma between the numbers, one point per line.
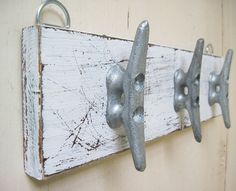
x=175, y=162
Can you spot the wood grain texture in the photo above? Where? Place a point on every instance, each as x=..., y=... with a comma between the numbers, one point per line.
x=31, y=103
x=65, y=81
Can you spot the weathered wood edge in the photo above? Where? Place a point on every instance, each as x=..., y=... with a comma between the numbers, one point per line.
x=32, y=129
x=111, y=37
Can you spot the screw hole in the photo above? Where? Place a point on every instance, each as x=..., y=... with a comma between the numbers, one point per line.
x=196, y=101
x=138, y=115
x=197, y=79
x=185, y=90
x=122, y=99
x=217, y=88
x=139, y=82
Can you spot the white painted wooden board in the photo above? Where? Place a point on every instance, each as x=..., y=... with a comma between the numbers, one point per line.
x=64, y=96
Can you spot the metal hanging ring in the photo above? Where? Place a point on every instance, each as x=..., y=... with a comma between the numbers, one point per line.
x=59, y=4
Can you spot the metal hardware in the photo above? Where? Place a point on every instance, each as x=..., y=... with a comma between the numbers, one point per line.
x=219, y=87
x=209, y=49
x=186, y=89
x=125, y=96
x=59, y=4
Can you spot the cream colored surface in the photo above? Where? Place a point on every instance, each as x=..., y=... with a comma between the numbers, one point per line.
x=176, y=162
x=230, y=41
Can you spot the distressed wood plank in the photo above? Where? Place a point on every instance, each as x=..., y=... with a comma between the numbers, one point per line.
x=31, y=107
x=72, y=84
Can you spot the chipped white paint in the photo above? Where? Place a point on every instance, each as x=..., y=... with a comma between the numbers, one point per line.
x=31, y=107
x=65, y=96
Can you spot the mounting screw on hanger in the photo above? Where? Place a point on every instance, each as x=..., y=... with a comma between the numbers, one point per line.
x=219, y=88
x=209, y=49
x=186, y=89
x=125, y=96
